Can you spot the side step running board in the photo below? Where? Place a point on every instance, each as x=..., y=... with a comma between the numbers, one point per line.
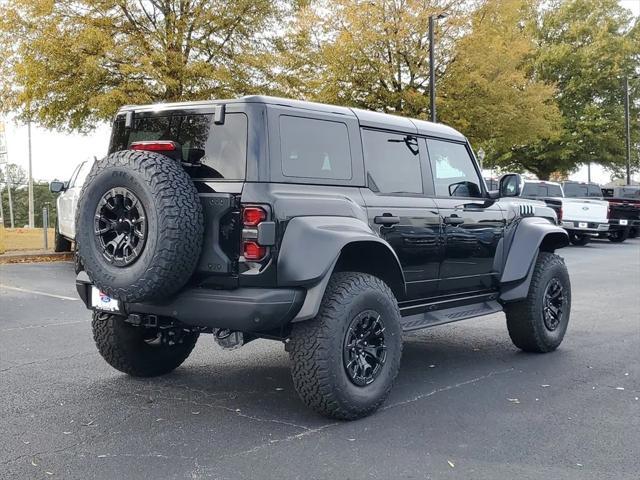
x=448, y=315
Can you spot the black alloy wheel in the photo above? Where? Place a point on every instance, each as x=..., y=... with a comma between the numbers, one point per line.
x=364, y=351
x=553, y=304
x=120, y=226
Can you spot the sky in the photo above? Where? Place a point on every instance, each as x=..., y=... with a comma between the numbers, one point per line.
x=56, y=154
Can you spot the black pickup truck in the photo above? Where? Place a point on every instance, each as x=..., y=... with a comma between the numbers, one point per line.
x=624, y=210
x=330, y=229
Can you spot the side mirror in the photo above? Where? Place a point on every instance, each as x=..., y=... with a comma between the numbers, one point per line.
x=57, y=186
x=511, y=185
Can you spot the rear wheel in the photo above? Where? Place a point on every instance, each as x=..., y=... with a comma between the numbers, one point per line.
x=140, y=351
x=538, y=323
x=60, y=243
x=579, y=239
x=633, y=232
x=619, y=235
x=345, y=360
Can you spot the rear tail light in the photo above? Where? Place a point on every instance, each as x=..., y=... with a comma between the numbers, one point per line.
x=252, y=217
x=252, y=251
x=155, y=146
x=608, y=212
x=560, y=214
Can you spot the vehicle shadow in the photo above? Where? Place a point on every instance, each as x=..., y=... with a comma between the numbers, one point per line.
x=256, y=381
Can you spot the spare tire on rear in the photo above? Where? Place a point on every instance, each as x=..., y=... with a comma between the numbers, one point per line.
x=139, y=226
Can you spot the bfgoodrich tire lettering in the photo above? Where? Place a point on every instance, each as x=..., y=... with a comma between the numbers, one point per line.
x=528, y=328
x=316, y=348
x=174, y=225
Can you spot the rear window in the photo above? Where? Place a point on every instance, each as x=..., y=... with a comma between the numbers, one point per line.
x=314, y=148
x=581, y=190
x=541, y=190
x=629, y=192
x=215, y=151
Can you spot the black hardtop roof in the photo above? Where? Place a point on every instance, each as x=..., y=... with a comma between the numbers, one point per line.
x=366, y=118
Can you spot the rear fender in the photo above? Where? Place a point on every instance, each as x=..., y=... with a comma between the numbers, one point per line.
x=313, y=247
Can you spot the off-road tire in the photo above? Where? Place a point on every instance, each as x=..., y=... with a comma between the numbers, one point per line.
x=316, y=348
x=60, y=243
x=123, y=346
x=77, y=262
x=174, y=225
x=619, y=235
x=525, y=320
x=579, y=240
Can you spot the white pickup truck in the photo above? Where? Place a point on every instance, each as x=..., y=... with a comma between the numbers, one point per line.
x=582, y=218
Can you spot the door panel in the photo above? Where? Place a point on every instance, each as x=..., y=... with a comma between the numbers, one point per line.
x=473, y=225
x=471, y=242
x=415, y=238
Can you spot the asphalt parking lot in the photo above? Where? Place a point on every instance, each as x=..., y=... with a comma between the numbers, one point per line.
x=467, y=404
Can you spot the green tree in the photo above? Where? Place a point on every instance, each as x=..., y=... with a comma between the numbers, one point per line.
x=375, y=55
x=585, y=48
x=71, y=63
x=41, y=197
x=489, y=90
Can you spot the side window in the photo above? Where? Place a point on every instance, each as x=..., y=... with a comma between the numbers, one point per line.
x=392, y=162
x=314, y=148
x=454, y=174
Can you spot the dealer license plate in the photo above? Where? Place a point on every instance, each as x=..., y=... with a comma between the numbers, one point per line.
x=582, y=225
x=102, y=301
x=623, y=222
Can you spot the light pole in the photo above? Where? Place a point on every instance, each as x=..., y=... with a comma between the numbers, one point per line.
x=31, y=224
x=432, y=69
x=627, y=125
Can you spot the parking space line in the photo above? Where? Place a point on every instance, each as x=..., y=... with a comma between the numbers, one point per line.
x=36, y=292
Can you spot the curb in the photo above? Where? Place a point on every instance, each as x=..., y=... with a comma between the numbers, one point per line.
x=15, y=257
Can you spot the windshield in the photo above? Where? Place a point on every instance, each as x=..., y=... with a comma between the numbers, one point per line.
x=581, y=190
x=216, y=151
x=532, y=189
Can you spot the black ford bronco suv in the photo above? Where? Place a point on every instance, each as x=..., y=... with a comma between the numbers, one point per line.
x=333, y=230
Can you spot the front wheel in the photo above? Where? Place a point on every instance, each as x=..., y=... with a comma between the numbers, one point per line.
x=140, y=351
x=345, y=360
x=539, y=322
x=579, y=239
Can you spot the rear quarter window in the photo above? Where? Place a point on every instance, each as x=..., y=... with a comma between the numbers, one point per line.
x=313, y=148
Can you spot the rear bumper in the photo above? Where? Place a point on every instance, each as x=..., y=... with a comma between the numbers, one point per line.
x=621, y=223
x=585, y=227
x=243, y=309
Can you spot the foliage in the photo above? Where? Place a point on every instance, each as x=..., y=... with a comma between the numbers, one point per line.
x=490, y=92
x=74, y=62
x=41, y=197
x=375, y=55
x=585, y=48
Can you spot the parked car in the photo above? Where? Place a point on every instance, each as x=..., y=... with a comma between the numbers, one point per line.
x=66, y=206
x=624, y=205
x=582, y=218
x=331, y=229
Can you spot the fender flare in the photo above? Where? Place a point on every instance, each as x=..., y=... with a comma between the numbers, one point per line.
x=310, y=250
x=530, y=236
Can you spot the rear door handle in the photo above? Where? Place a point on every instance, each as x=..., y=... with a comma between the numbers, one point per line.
x=386, y=219
x=453, y=220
